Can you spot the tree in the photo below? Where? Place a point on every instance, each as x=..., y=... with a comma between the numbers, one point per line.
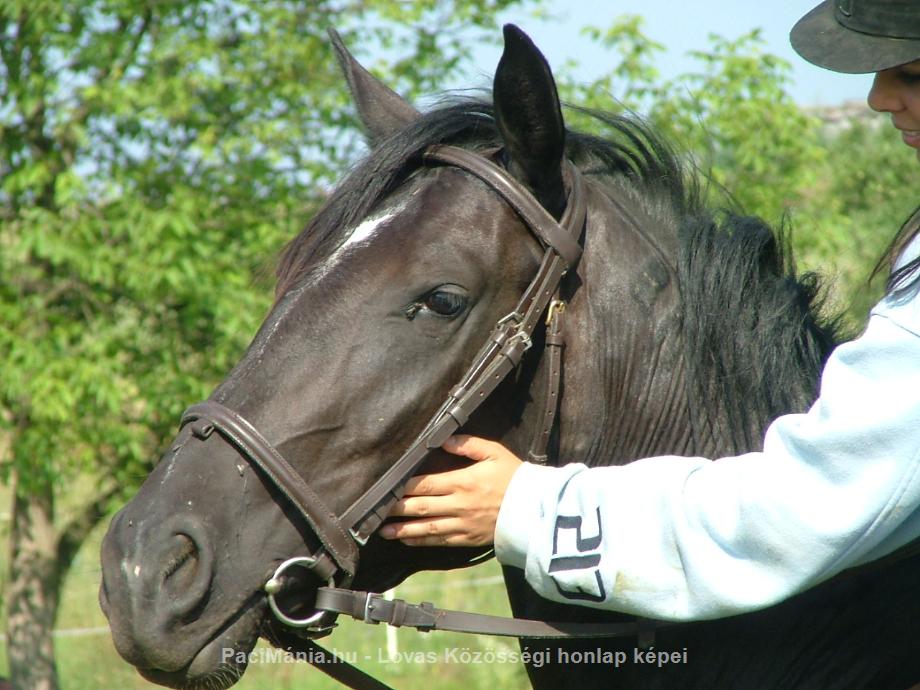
x=733, y=118
x=862, y=195
x=842, y=192
x=153, y=155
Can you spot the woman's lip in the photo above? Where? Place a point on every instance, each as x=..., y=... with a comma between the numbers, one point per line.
x=911, y=137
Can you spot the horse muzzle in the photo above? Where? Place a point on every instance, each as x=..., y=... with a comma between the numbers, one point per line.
x=156, y=573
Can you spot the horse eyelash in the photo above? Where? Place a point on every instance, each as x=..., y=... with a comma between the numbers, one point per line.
x=413, y=310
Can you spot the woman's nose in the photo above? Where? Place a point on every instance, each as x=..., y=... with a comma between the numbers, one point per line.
x=885, y=94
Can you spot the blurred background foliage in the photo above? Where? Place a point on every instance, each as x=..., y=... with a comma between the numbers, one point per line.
x=155, y=155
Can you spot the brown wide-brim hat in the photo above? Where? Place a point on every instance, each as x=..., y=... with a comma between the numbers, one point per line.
x=859, y=36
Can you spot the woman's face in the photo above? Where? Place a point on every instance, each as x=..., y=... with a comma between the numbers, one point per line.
x=897, y=91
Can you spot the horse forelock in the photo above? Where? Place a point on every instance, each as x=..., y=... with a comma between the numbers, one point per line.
x=633, y=154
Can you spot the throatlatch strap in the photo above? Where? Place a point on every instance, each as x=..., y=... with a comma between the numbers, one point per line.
x=552, y=359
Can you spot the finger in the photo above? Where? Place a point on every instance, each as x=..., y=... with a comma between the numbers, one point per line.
x=446, y=540
x=441, y=484
x=435, y=529
x=418, y=506
x=429, y=485
x=473, y=447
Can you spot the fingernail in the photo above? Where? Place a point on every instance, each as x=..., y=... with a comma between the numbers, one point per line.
x=450, y=443
x=387, y=532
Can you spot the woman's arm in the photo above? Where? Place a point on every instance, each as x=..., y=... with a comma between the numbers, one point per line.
x=686, y=538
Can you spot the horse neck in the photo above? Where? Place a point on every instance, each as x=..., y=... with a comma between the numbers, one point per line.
x=624, y=393
x=651, y=369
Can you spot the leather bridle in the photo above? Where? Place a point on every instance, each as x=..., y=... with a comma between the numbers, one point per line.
x=336, y=560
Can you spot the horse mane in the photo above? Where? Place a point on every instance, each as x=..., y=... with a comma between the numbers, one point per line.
x=753, y=336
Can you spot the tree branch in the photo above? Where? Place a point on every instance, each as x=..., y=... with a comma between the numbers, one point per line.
x=12, y=54
x=74, y=533
x=82, y=112
x=136, y=40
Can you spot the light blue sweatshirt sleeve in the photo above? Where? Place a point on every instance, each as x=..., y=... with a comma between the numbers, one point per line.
x=686, y=538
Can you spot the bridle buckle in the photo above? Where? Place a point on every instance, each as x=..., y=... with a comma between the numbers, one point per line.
x=514, y=317
x=556, y=307
x=520, y=337
x=368, y=607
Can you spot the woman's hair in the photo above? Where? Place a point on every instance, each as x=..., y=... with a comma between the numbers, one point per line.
x=903, y=281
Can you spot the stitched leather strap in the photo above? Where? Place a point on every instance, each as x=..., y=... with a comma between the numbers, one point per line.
x=210, y=416
x=374, y=608
x=541, y=223
x=552, y=358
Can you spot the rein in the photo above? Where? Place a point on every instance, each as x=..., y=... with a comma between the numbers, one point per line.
x=336, y=560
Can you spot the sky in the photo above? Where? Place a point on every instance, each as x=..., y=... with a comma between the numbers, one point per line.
x=682, y=26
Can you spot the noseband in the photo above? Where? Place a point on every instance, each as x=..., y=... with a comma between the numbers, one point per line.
x=336, y=560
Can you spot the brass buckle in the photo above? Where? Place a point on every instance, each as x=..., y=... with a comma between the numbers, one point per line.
x=557, y=306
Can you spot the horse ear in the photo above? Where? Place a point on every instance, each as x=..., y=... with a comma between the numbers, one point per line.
x=529, y=119
x=382, y=110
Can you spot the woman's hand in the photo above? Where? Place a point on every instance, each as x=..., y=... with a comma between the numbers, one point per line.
x=459, y=507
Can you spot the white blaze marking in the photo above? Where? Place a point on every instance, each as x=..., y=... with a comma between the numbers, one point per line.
x=366, y=228
x=360, y=233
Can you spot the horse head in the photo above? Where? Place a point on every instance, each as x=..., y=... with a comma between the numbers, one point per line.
x=381, y=304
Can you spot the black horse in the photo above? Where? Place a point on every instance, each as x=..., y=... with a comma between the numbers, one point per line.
x=686, y=332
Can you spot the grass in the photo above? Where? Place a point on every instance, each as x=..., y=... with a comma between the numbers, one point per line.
x=87, y=660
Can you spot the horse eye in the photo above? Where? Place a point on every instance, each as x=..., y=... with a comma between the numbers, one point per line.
x=444, y=303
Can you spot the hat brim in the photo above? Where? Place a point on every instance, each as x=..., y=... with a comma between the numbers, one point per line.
x=821, y=40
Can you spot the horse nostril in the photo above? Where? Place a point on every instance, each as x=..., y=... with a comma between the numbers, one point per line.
x=184, y=562
x=187, y=570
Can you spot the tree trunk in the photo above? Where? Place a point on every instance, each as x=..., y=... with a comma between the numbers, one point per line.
x=32, y=589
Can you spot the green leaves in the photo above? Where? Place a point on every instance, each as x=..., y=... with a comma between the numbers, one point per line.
x=846, y=190
x=154, y=157
x=733, y=115
x=758, y=142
